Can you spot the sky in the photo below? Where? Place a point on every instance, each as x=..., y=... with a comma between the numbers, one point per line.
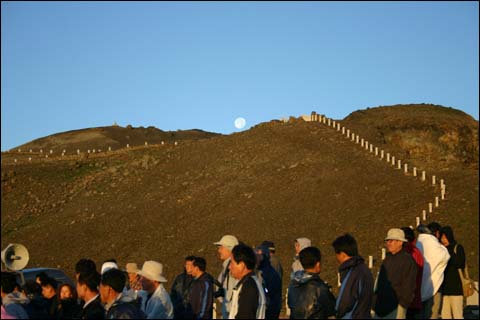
x=201, y=65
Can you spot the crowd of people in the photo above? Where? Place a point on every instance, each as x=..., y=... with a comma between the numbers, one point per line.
x=418, y=279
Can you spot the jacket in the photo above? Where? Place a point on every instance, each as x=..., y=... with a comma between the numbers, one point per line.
x=69, y=309
x=396, y=282
x=94, y=310
x=201, y=298
x=272, y=285
x=436, y=258
x=37, y=307
x=124, y=307
x=452, y=284
x=356, y=297
x=418, y=258
x=228, y=283
x=275, y=262
x=15, y=303
x=158, y=305
x=179, y=294
x=248, y=300
x=309, y=297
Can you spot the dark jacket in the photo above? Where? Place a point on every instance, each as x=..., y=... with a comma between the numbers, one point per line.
x=273, y=288
x=52, y=306
x=247, y=298
x=452, y=284
x=179, y=294
x=37, y=308
x=396, y=283
x=201, y=298
x=125, y=308
x=275, y=262
x=94, y=310
x=69, y=309
x=309, y=297
x=357, y=294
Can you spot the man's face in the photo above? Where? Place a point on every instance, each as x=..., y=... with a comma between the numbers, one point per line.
x=48, y=292
x=65, y=293
x=237, y=269
x=105, y=293
x=297, y=247
x=444, y=240
x=132, y=276
x=393, y=246
x=189, y=267
x=148, y=285
x=223, y=253
x=81, y=289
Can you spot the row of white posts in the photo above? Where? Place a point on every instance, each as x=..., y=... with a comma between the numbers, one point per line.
x=88, y=151
x=389, y=159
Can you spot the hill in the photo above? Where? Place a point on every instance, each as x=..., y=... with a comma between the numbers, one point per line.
x=276, y=181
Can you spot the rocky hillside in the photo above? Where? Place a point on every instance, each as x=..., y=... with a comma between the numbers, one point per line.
x=276, y=181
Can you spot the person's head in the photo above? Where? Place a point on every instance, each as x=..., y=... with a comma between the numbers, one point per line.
x=9, y=283
x=263, y=254
x=302, y=243
x=409, y=234
x=243, y=261
x=435, y=227
x=311, y=259
x=111, y=285
x=189, y=264
x=446, y=236
x=151, y=275
x=49, y=288
x=225, y=246
x=87, y=284
x=40, y=277
x=131, y=268
x=270, y=245
x=31, y=289
x=84, y=266
x=199, y=266
x=345, y=247
x=108, y=264
x=395, y=240
x=66, y=291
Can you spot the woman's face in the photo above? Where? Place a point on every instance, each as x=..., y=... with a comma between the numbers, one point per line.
x=65, y=293
x=444, y=240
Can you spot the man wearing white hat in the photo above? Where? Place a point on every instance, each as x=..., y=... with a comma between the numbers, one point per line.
x=224, y=294
x=397, y=279
x=157, y=305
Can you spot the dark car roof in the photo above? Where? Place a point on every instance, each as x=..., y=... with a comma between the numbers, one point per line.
x=30, y=274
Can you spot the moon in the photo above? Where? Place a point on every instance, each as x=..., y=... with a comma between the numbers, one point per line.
x=240, y=123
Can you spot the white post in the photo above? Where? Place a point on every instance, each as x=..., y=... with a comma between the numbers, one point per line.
x=348, y=133
x=388, y=157
x=31, y=151
x=329, y=122
x=433, y=180
x=176, y=143
x=376, y=151
x=46, y=156
x=393, y=160
x=405, y=168
x=424, y=215
x=51, y=151
x=29, y=158
x=324, y=120
x=436, y=202
x=109, y=148
x=371, y=148
x=333, y=124
x=93, y=151
x=399, y=164
x=362, y=142
x=343, y=130
x=338, y=126
x=384, y=253
x=15, y=160
x=423, y=175
x=63, y=154
x=370, y=262
x=414, y=171
x=442, y=184
x=88, y=150
x=417, y=221
x=19, y=150
x=366, y=145
x=41, y=150
x=381, y=154
x=357, y=139
x=128, y=146
x=146, y=143
x=64, y=151
x=430, y=207
x=78, y=151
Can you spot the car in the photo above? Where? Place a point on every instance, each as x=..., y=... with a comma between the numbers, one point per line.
x=30, y=274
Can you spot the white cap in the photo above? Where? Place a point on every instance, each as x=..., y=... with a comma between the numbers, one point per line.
x=107, y=266
x=228, y=241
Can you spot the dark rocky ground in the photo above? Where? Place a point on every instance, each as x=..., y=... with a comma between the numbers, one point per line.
x=276, y=181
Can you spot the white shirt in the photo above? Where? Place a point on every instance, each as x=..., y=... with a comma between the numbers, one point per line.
x=88, y=302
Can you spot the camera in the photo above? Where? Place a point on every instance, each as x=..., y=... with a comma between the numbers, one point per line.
x=219, y=293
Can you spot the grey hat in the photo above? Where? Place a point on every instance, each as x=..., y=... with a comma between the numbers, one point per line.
x=396, y=234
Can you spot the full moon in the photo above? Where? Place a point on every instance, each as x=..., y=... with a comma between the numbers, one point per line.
x=240, y=123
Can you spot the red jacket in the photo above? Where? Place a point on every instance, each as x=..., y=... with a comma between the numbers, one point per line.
x=418, y=258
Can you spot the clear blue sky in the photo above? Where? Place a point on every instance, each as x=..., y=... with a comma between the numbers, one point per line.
x=72, y=65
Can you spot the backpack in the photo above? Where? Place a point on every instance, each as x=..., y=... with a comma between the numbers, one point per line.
x=467, y=284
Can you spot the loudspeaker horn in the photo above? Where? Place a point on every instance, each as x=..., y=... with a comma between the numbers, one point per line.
x=15, y=256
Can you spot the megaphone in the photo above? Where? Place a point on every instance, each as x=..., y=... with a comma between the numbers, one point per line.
x=15, y=256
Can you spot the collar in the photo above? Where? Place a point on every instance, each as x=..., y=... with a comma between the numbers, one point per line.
x=245, y=278
x=89, y=301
